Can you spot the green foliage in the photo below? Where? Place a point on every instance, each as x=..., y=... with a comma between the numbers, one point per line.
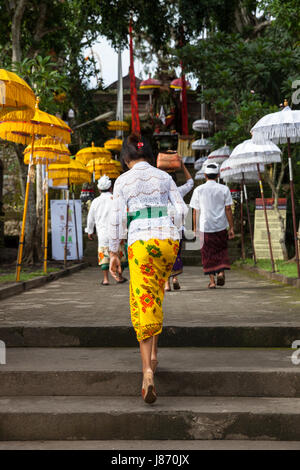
x=287, y=268
x=26, y=275
x=243, y=80
x=286, y=16
x=46, y=80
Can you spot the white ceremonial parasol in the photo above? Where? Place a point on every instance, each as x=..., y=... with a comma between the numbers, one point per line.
x=282, y=127
x=250, y=177
x=242, y=175
x=202, y=144
x=278, y=127
x=233, y=175
x=200, y=175
x=198, y=163
x=248, y=153
x=202, y=125
x=219, y=155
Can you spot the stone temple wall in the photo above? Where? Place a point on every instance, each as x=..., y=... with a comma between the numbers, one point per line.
x=11, y=191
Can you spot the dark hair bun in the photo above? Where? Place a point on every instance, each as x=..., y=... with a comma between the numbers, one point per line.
x=133, y=139
x=135, y=148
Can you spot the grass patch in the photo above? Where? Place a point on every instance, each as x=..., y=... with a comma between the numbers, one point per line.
x=287, y=268
x=25, y=275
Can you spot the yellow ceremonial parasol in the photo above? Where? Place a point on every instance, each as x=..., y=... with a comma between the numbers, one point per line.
x=17, y=99
x=42, y=124
x=119, y=165
x=118, y=126
x=115, y=145
x=21, y=131
x=72, y=173
x=46, y=150
x=100, y=167
x=90, y=153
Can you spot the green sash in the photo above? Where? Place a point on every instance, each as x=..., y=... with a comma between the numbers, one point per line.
x=147, y=213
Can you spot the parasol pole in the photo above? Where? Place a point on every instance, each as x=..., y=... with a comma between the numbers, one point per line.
x=249, y=218
x=75, y=222
x=46, y=218
x=67, y=227
x=242, y=224
x=266, y=218
x=43, y=212
x=21, y=240
x=292, y=190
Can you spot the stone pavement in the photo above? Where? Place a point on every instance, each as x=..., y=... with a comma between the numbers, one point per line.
x=80, y=300
x=77, y=311
x=225, y=371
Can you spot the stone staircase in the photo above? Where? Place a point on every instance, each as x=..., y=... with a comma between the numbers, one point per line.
x=225, y=372
x=203, y=393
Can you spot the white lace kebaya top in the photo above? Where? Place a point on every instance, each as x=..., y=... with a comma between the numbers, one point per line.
x=142, y=187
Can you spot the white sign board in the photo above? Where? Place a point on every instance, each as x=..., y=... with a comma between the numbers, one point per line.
x=58, y=229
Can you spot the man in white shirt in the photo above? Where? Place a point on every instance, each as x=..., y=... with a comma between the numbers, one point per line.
x=99, y=216
x=212, y=203
x=178, y=265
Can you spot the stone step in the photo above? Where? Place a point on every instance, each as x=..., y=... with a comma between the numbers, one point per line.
x=254, y=335
x=149, y=445
x=180, y=418
x=181, y=372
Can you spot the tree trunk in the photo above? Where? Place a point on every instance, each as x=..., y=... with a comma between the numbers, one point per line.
x=16, y=30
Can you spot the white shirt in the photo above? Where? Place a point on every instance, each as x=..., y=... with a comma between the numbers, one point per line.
x=210, y=199
x=187, y=187
x=141, y=187
x=183, y=189
x=98, y=215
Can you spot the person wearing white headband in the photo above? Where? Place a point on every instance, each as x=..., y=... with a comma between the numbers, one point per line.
x=213, y=201
x=99, y=215
x=104, y=183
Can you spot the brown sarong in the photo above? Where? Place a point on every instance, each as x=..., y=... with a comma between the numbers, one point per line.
x=215, y=253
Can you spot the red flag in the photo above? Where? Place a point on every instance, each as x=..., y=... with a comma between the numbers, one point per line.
x=136, y=128
x=184, y=114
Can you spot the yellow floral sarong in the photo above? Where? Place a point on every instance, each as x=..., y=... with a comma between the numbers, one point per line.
x=150, y=265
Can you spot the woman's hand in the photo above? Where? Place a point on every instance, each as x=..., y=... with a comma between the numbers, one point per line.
x=115, y=268
x=231, y=234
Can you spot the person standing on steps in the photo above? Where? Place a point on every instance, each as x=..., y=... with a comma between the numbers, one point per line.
x=141, y=197
x=213, y=201
x=99, y=216
x=178, y=265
